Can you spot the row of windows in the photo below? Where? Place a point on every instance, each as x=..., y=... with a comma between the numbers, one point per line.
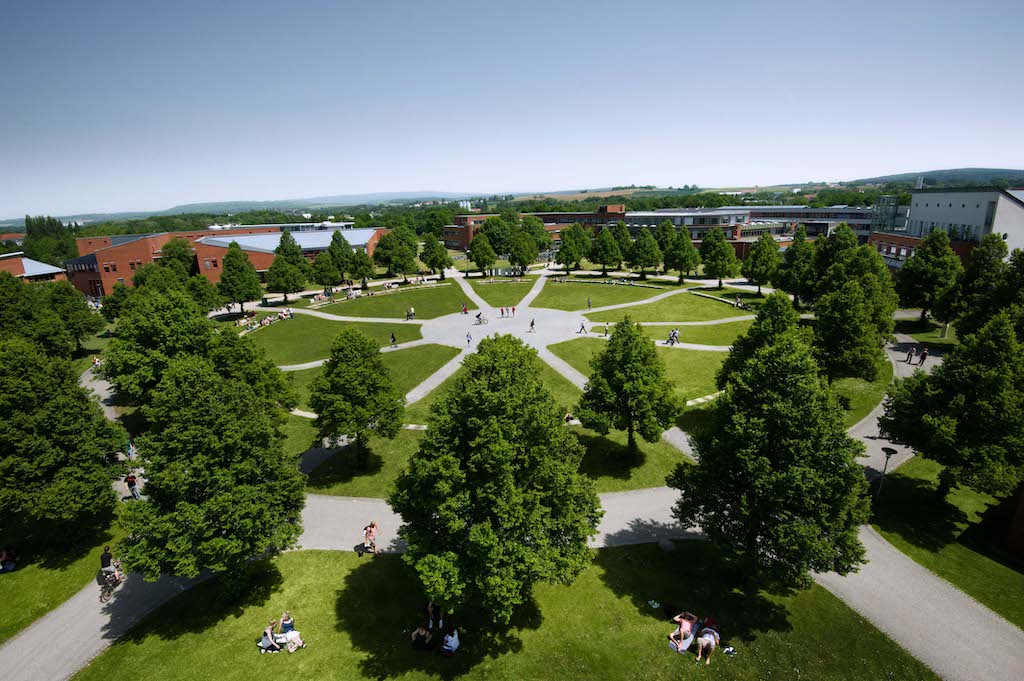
x=939, y=205
x=207, y=262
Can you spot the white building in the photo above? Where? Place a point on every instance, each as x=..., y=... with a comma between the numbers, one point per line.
x=969, y=214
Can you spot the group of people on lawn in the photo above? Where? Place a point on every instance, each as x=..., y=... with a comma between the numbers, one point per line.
x=706, y=633
x=281, y=635
x=427, y=635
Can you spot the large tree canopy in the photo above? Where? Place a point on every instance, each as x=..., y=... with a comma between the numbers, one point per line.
x=932, y=269
x=481, y=253
x=605, y=251
x=436, y=256
x=53, y=314
x=239, y=282
x=493, y=502
x=718, y=255
x=777, y=487
x=644, y=253
x=775, y=318
x=796, y=274
x=762, y=261
x=681, y=254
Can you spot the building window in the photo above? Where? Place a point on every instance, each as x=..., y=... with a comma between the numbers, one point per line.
x=214, y=261
x=206, y=264
x=106, y=267
x=131, y=265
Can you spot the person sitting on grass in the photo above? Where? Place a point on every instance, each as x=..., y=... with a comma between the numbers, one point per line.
x=421, y=637
x=450, y=643
x=707, y=640
x=8, y=559
x=286, y=633
x=267, y=643
x=682, y=637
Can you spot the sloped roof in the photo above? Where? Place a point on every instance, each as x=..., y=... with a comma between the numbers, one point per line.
x=30, y=267
x=307, y=241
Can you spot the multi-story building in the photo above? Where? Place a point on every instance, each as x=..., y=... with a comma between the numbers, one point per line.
x=28, y=269
x=458, y=235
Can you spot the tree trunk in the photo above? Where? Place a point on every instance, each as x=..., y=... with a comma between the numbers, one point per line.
x=759, y=289
x=680, y=276
x=924, y=314
x=945, y=486
x=604, y=270
x=719, y=282
x=631, y=445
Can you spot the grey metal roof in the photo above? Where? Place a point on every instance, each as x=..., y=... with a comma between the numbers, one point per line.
x=32, y=268
x=308, y=241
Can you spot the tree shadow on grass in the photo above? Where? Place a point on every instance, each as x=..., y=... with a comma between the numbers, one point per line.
x=344, y=466
x=42, y=547
x=695, y=421
x=691, y=576
x=605, y=458
x=990, y=535
x=379, y=605
x=206, y=602
x=910, y=508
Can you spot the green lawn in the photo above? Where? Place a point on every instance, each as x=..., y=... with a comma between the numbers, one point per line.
x=504, y=292
x=298, y=434
x=682, y=307
x=929, y=333
x=409, y=368
x=418, y=411
x=44, y=580
x=714, y=334
x=860, y=397
x=750, y=298
x=356, y=615
x=348, y=474
x=91, y=346
x=429, y=303
x=692, y=371
x=573, y=296
x=948, y=537
x=306, y=338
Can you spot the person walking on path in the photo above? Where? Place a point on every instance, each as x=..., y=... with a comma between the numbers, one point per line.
x=131, y=483
x=924, y=356
x=606, y=329
x=513, y=311
x=583, y=327
x=910, y=355
x=394, y=343
x=469, y=339
x=588, y=303
x=370, y=538
x=533, y=322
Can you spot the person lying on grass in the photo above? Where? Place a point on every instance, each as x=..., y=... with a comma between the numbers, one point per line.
x=681, y=638
x=707, y=640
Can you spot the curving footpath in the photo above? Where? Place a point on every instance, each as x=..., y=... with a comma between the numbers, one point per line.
x=947, y=630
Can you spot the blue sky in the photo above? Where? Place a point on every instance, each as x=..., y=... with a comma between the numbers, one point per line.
x=140, y=105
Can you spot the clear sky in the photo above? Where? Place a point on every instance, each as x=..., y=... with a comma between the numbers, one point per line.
x=141, y=105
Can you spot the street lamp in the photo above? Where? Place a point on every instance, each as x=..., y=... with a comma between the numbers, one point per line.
x=888, y=451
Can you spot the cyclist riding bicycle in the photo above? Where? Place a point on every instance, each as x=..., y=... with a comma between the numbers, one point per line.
x=108, y=566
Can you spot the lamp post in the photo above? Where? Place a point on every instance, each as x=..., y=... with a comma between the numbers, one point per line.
x=888, y=451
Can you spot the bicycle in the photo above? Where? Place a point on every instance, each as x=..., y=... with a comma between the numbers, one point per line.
x=110, y=582
x=479, y=321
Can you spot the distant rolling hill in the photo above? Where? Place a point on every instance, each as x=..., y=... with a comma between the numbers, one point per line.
x=980, y=177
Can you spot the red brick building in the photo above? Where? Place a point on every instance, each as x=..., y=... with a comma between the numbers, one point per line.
x=28, y=269
x=458, y=235
x=895, y=247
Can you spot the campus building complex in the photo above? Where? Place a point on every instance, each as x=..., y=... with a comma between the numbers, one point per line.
x=28, y=269
x=106, y=260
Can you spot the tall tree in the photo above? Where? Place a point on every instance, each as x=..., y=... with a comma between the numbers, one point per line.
x=393, y=253
x=52, y=314
x=341, y=252
x=204, y=293
x=605, y=251
x=846, y=338
x=239, y=281
x=57, y=451
x=777, y=487
x=682, y=255
x=664, y=234
x=325, y=272
x=762, y=261
x=578, y=239
x=289, y=250
x=409, y=238
x=360, y=267
x=179, y=250
x=355, y=395
x=498, y=233
x=522, y=250
x=775, y=317
x=830, y=251
x=493, y=501
x=220, y=488
x=436, y=256
x=481, y=253
x=114, y=302
x=796, y=274
x=865, y=266
x=644, y=252
x=718, y=255
x=933, y=268
x=621, y=233
x=49, y=240
x=534, y=226
x=284, y=277
x=981, y=292
x=968, y=414
x=628, y=389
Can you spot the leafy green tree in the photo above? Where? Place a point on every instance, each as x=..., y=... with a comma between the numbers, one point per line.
x=775, y=317
x=534, y=226
x=777, y=488
x=628, y=389
x=325, y=272
x=204, y=293
x=481, y=253
x=113, y=303
x=48, y=240
x=522, y=250
x=830, y=251
x=578, y=239
x=498, y=233
x=982, y=291
x=605, y=251
x=409, y=238
x=644, y=252
x=796, y=274
x=220, y=488
x=569, y=253
x=154, y=328
x=393, y=253
x=762, y=262
x=436, y=256
x=179, y=250
x=968, y=414
x=933, y=268
x=53, y=314
x=284, y=277
x=493, y=501
x=238, y=358
x=622, y=237
x=846, y=338
x=341, y=252
x=718, y=255
x=289, y=250
x=355, y=395
x=71, y=307
x=681, y=254
x=360, y=266
x=57, y=451
x=167, y=276
x=866, y=267
x=664, y=234
x=430, y=222
x=239, y=281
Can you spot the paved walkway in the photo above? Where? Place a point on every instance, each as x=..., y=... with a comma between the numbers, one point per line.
x=947, y=630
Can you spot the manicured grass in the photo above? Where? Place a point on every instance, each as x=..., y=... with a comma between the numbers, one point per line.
x=929, y=333
x=750, y=298
x=91, y=346
x=613, y=468
x=368, y=475
x=860, y=397
x=356, y=616
x=418, y=411
x=713, y=334
x=948, y=537
x=298, y=433
x=573, y=296
x=409, y=368
x=504, y=292
x=48, y=575
x=682, y=307
x=305, y=338
x=692, y=371
x=429, y=303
